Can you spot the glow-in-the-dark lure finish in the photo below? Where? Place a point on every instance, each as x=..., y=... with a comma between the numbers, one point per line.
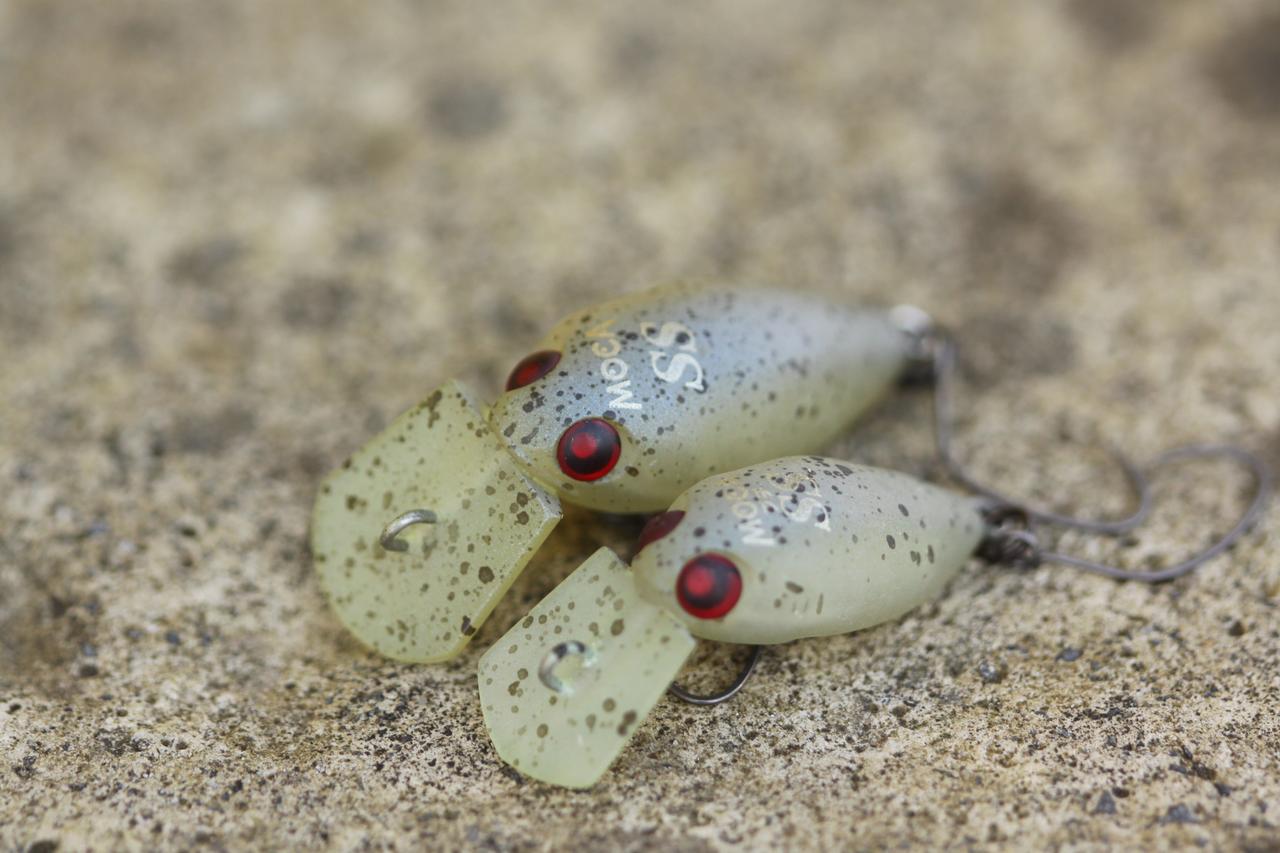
x=621, y=408
x=795, y=547
x=652, y=392
x=819, y=547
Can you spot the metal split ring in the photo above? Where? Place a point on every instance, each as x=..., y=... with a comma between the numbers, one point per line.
x=557, y=655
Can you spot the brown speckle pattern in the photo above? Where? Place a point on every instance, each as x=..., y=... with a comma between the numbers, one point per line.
x=571, y=738
x=427, y=602
x=823, y=547
x=699, y=380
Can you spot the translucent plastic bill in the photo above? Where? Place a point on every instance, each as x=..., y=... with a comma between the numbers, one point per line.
x=420, y=596
x=566, y=688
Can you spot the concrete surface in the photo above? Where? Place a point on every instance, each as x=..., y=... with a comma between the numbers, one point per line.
x=235, y=238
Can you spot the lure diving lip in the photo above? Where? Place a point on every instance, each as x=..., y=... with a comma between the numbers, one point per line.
x=620, y=408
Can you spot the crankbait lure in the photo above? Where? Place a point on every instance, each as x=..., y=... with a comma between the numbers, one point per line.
x=796, y=547
x=791, y=548
x=621, y=408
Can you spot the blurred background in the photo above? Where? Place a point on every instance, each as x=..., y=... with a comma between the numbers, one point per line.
x=238, y=237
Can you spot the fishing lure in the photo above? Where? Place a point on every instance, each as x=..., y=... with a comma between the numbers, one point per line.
x=791, y=548
x=621, y=408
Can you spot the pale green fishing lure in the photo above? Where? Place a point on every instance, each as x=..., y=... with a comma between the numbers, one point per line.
x=622, y=407
x=796, y=547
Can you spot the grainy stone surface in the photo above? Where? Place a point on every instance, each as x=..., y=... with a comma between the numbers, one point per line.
x=237, y=237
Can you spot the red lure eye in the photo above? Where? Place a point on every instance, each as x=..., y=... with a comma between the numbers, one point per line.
x=708, y=586
x=531, y=368
x=589, y=449
x=658, y=527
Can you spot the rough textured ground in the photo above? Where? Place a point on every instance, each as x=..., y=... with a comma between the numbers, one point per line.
x=235, y=238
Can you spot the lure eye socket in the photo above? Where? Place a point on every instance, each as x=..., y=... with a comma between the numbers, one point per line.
x=709, y=586
x=533, y=367
x=658, y=527
x=589, y=449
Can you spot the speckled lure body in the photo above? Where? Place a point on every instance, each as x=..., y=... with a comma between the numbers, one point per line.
x=623, y=407
x=795, y=547
x=821, y=547
x=697, y=382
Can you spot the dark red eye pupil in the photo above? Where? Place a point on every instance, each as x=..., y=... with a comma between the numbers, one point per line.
x=589, y=449
x=709, y=586
x=658, y=527
x=532, y=368
x=584, y=445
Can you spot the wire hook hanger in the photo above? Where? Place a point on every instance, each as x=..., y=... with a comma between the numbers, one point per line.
x=946, y=369
x=1015, y=541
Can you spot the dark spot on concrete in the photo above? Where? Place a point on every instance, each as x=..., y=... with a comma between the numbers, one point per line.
x=1115, y=25
x=316, y=303
x=26, y=768
x=991, y=673
x=1245, y=68
x=350, y=156
x=1069, y=655
x=1179, y=814
x=467, y=107
x=1195, y=768
x=628, y=719
x=1019, y=239
x=212, y=432
x=467, y=628
x=635, y=52
x=512, y=320
x=8, y=239
x=205, y=263
x=485, y=574
x=45, y=845
x=1000, y=347
x=115, y=741
x=311, y=463
x=149, y=33
x=1106, y=804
